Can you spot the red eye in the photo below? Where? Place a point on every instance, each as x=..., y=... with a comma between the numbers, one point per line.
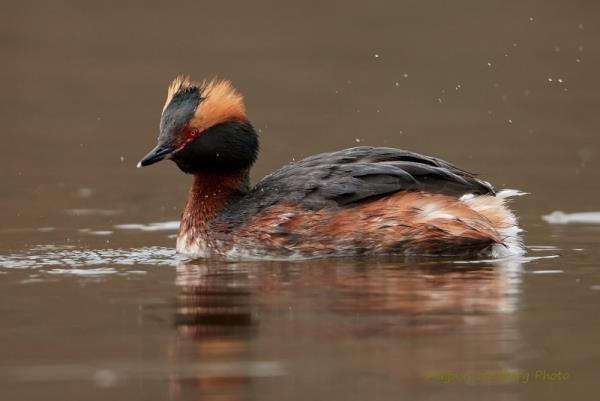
x=191, y=134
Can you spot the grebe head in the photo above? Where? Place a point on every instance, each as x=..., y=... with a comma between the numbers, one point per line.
x=204, y=128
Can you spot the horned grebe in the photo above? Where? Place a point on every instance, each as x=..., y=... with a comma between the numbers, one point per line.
x=363, y=200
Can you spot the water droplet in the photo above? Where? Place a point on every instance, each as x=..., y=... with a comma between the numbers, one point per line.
x=549, y=79
x=530, y=19
x=509, y=121
x=104, y=378
x=439, y=99
x=397, y=83
x=560, y=80
x=489, y=64
x=405, y=75
x=376, y=55
x=122, y=158
x=357, y=140
x=85, y=192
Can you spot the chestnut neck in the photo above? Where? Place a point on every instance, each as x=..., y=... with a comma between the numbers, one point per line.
x=209, y=194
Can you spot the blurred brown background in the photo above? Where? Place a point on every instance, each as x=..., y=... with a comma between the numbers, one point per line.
x=506, y=89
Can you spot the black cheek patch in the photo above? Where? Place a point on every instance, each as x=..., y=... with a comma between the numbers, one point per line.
x=229, y=146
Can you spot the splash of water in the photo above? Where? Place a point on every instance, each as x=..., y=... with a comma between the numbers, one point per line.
x=67, y=259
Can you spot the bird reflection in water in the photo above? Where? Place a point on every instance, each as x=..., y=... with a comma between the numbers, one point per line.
x=243, y=321
x=214, y=321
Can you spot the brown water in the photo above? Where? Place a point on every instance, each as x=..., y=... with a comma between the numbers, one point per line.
x=93, y=310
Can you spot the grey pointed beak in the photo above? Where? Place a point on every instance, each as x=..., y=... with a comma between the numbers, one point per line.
x=157, y=154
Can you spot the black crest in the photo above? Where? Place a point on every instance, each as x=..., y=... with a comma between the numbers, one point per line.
x=179, y=112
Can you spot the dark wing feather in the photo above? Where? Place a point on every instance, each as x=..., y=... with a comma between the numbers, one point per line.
x=353, y=175
x=359, y=181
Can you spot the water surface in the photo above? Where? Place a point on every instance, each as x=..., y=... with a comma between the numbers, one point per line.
x=96, y=304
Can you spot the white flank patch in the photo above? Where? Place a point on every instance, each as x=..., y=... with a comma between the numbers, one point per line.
x=509, y=229
x=512, y=244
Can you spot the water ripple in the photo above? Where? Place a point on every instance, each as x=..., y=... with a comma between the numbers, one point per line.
x=51, y=256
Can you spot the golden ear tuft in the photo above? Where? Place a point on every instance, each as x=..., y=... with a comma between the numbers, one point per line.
x=220, y=103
